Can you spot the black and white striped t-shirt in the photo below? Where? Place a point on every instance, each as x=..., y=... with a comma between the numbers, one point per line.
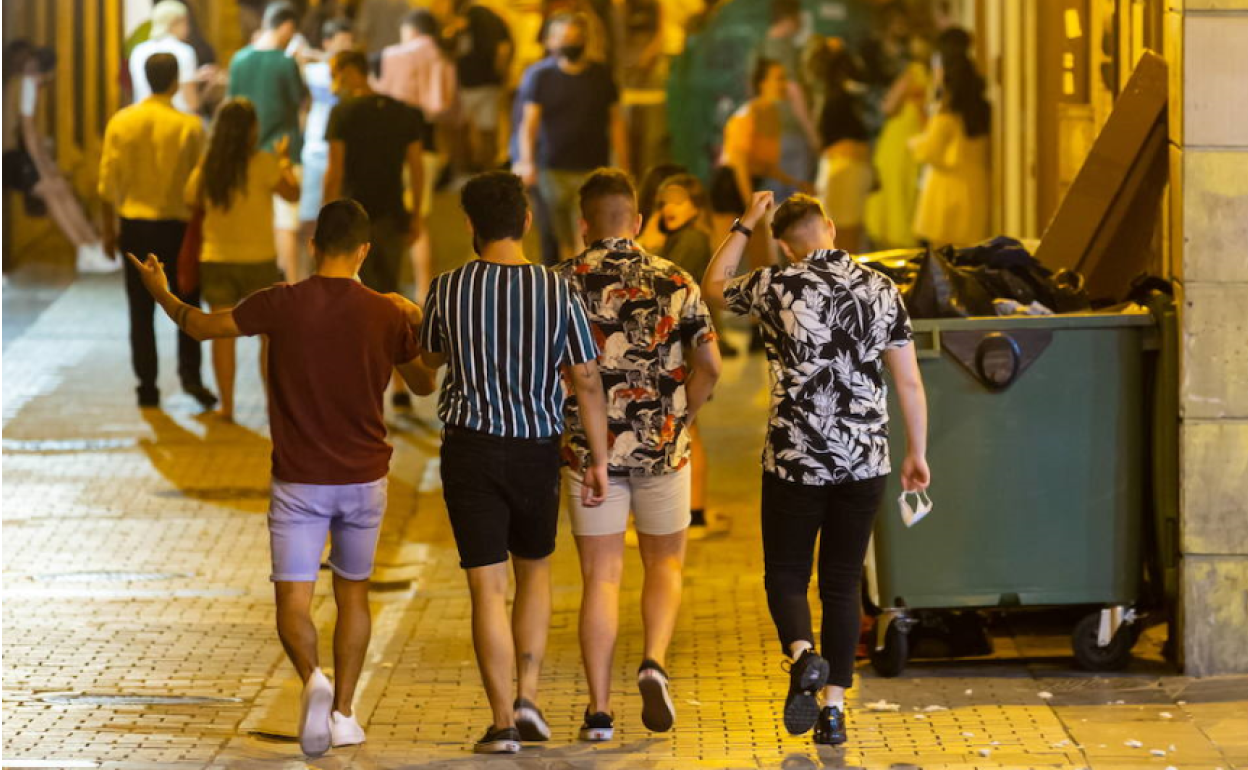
x=506, y=330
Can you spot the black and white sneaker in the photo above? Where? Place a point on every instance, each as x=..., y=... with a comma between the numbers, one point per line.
x=657, y=712
x=530, y=722
x=830, y=731
x=806, y=678
x=498, y=740
x=597, y=727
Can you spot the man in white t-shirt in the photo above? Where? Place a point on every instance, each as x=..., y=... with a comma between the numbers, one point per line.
x=170, y=29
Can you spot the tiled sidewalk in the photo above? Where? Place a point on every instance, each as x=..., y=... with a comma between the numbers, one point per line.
x=136, y=563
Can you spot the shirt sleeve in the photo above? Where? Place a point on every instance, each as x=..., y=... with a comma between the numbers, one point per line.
x=294, y=80
x=260, y=312
x=581, y=347
x=743, y=293
x=191, y=193
x=334, y=128
x=187, y=63
x=267, y=169
x=431, y=332
x=538, y=91
x=109, y=163
x=408, y=346
x=696, y=328
x=900, y=332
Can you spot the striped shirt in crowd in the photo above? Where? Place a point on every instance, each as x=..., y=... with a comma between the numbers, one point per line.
x=506, y=330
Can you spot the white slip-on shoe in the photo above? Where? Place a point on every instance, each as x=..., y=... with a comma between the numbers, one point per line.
x=318, y=699
x=345, y=731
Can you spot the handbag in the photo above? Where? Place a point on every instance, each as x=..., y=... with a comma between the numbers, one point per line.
x=188, y=254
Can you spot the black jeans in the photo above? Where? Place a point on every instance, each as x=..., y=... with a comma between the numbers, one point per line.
x=840, y=516
x=162, y=237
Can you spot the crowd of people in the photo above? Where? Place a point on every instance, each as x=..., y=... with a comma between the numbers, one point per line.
x=576, y=383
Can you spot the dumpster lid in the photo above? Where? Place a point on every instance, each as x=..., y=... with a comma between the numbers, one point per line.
x=1134, y=316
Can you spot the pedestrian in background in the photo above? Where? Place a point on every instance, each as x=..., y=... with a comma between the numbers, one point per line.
x=659, y=364
x=330, y=456
x=169, y=33
x=373, y=140
x=572, y=122
x=234, y=186
x=149, y=151
x=336, y=35
x=830, y=326
x=524, y=94
x=954, y=204
x=417, y=73
x=889, y=214
x=844, y=178
x=266, y=75
x=506, y=330
x=483, y=51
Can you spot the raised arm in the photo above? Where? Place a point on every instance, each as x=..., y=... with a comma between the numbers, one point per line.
x=587, y=384
x=724, y=264
x=195, y=322
x=904, y=366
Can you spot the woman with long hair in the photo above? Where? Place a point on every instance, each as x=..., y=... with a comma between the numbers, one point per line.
x=844, y=178
x=234, y=186
x=889, y=214
x=954, y=203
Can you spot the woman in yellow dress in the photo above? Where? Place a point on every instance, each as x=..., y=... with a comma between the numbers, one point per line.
x=890, y=209
x=954, y=205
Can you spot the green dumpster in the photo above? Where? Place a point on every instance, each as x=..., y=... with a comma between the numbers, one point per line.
x=1038, y=451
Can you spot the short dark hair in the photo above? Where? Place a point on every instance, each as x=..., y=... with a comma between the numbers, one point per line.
x=422, y=21
x=496, y=206
x=342, y=226
x=334, y=27
x=785, y=9
x=162, y=72
x=794, y=211
x=278, y=13
x=352, y=58
x=604, y=186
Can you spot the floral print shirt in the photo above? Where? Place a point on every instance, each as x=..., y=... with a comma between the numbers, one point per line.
x=646, y=313
x=826, y=322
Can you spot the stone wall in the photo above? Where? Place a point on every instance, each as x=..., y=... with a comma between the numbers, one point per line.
x=1207, y=48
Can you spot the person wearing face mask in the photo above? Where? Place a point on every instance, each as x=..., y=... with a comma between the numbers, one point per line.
x=572, y=122
x=330, y=456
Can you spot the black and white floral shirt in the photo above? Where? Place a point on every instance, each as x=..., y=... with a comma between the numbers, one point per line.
x=826, y=322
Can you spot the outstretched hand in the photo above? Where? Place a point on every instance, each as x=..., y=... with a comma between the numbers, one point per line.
x=151, y=272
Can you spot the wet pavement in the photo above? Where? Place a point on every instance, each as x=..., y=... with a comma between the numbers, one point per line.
x=138, y=630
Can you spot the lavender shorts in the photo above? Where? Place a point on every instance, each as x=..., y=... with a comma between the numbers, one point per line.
x=300, y=517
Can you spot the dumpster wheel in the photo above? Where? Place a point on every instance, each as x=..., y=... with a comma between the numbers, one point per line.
x=889, y=660
x=1089, y=653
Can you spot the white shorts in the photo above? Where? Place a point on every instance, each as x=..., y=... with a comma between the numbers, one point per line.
x=660, y=504
x=286, y=213
x=479, y=106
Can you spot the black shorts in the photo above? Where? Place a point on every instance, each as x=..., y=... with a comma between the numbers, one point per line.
x=502, y=495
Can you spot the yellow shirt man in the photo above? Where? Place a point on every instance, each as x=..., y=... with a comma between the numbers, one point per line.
x=150, y=149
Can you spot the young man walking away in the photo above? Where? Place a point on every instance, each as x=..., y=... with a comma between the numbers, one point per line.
x=505, y=328
x=830, y=325
x=332, y=346
x=658, y=366
x=150, y=149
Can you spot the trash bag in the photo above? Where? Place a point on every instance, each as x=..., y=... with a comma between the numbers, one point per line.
x=1009, y=271
x=942, y=290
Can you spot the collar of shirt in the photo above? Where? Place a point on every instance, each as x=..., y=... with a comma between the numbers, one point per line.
x=825, y=255
x=615, y=245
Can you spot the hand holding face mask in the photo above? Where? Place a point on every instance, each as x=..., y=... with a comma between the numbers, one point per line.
x=922, y=506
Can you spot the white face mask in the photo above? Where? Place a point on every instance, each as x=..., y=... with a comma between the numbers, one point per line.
x=912, y=515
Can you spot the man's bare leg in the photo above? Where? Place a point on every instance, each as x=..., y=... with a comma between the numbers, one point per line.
x=351, y=636
x=492, y=638
x=294, y=625
x=602, y=569
x=530, y=621
x=664, y=560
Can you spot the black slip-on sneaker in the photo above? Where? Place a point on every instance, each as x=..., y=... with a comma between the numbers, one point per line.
x=806, y=678
x=657, y=712
x=498, y=740
x=530, y=722
x=830, y=730
x=597, y=727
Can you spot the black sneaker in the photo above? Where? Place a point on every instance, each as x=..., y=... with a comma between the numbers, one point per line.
x=597, y=727
x=657, y=712
x=498, y=740
x=806, y=677
x=206, y=398
x=148, y=396
x=402, y=401
x=830, y=730
x=530, y=722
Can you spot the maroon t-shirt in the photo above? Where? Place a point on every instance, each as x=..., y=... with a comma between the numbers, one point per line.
x=333, y=344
